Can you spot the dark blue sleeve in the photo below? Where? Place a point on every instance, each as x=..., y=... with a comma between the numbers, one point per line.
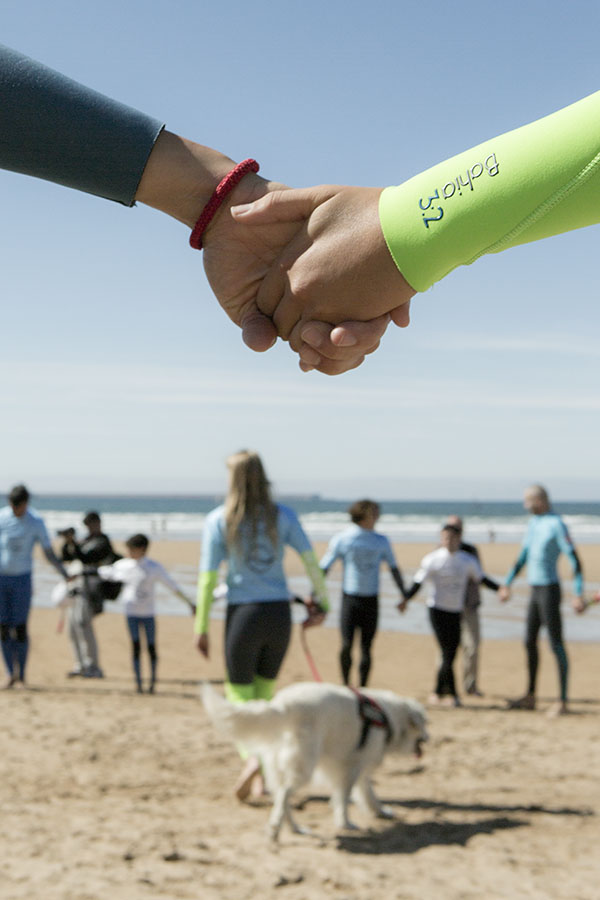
x=56, y=129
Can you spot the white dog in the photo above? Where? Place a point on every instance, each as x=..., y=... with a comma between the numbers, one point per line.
x=326, y=729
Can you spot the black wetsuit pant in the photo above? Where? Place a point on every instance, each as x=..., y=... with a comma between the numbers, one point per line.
x=256, y=639
x=544, y=609
x=358, y=612
x=446, y=627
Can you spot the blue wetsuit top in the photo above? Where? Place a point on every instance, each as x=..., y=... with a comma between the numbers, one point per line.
x=254, y=573
x=18, y=535
x=546, y=537
x=59, y=130
x=361, y=551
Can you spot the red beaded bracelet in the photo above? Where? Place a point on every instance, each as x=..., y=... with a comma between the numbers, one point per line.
x=224, y=187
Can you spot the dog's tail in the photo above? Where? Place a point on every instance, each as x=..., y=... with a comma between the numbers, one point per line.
x=249, y=722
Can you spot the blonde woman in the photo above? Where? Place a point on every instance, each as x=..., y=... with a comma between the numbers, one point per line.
x=250, y=533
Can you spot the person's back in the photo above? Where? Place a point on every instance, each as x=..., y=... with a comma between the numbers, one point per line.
x=362, y=551
x=255, y=565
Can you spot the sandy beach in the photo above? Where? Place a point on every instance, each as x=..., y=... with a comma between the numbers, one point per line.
x=108, y=794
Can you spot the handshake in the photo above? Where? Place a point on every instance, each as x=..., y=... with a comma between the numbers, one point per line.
x=310, y=266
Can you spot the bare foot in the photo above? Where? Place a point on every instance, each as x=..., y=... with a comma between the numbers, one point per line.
x=434, y=700
x=525, y=702
x=244, y=782
x=559, y=709
x=257, y=788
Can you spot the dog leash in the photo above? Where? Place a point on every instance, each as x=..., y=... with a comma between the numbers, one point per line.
x=309, y=657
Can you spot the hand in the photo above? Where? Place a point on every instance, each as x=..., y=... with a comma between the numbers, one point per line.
x=238, y=258
x=178, y=180
x=336, y=349
x=578, y=604
x=337, y=267
x=203, y=645
x=402, y=606
x=315, y=614
x=503, y=593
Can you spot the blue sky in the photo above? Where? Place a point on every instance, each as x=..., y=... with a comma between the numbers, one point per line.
x=119, y=370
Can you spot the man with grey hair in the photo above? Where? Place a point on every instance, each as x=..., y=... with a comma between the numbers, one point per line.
x=546, y=538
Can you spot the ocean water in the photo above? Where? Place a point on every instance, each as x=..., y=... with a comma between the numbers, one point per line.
x=182, y=518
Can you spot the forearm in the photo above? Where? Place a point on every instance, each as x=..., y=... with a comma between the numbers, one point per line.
x=516, y=568
x=490, y=583
x=577, y=572
x=412, y=590
x=397, y=576
x=317, y=578
x=55, y=561
x=180, y=177
x=54, y=128
x=207, y=582
x=530, y=183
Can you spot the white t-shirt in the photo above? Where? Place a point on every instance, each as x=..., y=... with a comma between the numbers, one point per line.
x=448, y=574
x=139, y=577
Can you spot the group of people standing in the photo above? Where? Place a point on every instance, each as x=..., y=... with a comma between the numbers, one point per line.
x=92, y=572
x=454, y=574
x=250, y=532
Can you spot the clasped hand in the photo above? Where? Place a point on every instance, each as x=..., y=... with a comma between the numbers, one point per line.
x=310, y=266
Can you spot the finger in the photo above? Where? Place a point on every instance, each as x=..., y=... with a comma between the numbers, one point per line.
x=314, y=341
x=401, y=315
x=333, y=367
x=357, y=335
x=258, y=331
x=272, y=288
x=315, y=360
x=283, y=206
x=287, y=313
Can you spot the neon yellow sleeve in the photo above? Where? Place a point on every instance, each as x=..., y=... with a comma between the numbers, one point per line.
x=207, y=582
x=527, y=184
x=311, y=564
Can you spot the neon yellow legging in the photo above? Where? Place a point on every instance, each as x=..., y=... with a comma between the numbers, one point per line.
x=527, y=184
x=260, y=689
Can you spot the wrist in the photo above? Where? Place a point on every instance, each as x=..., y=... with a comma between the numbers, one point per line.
x=180, y=177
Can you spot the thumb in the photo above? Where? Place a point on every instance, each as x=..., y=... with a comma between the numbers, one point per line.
x=283, y=206
x=401, y=315
x=258, y=331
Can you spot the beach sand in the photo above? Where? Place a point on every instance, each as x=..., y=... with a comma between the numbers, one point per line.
x=108, y=794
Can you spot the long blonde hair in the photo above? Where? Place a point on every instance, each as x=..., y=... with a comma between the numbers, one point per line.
x=248, y=500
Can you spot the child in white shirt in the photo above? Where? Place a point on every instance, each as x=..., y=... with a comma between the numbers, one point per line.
x=139, y=575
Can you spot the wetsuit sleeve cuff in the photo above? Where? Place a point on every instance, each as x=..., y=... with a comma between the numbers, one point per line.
x=315, y=574
x=535, y=181
x=54, y=128
x=207, y=583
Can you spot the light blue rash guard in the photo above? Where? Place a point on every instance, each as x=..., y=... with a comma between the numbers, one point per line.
x=254, y=573
x=546, y=538
x=361, y=551
x=18, y=535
